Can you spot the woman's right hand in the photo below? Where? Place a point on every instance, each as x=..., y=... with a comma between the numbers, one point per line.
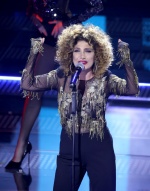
x=37, y=44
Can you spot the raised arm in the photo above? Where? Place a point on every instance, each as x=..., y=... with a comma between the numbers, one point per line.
x=41, y=82
x=129, y=85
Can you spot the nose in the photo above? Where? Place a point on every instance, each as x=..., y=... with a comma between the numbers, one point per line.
x=82, y=55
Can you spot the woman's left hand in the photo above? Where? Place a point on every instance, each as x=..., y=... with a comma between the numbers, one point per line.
x=123, y=50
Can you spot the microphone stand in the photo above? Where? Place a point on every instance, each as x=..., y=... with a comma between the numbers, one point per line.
x=79, y=68
x=74, y=108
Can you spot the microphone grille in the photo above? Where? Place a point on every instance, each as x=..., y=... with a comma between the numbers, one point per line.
x=80, y=65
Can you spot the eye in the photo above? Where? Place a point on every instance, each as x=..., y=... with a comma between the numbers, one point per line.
x=76, y=50
x=89, y=50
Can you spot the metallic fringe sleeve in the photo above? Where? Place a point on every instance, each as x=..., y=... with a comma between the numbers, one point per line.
x=30, y=94
x=124, y=54
x=118, y=85
x=36, y=47
x=26, y=93
x=136, y=81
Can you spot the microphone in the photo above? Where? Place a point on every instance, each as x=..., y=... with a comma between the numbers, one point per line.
x=79, y=68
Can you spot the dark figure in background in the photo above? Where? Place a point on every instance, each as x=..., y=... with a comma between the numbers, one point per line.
x=94, y=152
x=49, y=17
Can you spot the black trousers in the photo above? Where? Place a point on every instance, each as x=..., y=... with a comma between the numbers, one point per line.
x=93, y=156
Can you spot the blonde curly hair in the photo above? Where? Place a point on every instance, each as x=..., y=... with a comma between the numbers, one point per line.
x=97, y=38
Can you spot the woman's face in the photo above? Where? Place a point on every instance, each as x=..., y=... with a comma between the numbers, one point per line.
x=83, y=53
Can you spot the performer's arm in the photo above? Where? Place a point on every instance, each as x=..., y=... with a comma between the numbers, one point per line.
x=129, y=85
x=40, y=82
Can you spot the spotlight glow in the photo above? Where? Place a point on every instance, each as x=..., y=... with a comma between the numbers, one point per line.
x=13, y=78
x=144, y=84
